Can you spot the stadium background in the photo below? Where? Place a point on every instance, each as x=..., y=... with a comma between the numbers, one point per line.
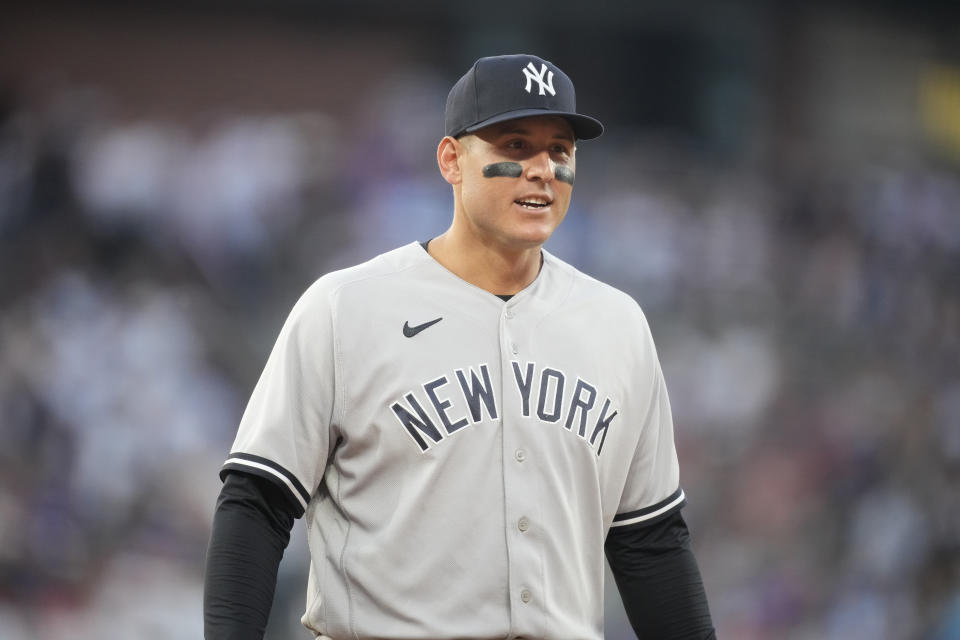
x=779, y=187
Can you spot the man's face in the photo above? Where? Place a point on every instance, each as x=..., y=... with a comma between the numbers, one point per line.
x=517, y=212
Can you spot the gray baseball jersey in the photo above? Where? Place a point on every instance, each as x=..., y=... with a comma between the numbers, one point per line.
x=459, y=458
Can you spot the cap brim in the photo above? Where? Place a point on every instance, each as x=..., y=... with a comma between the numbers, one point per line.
x=584, y=127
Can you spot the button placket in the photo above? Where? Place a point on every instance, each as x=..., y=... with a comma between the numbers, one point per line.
x=520, y=507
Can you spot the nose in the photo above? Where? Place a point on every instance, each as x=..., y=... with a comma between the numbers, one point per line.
x=540, y=166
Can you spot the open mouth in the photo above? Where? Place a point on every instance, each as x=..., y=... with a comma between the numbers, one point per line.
x=533, y=203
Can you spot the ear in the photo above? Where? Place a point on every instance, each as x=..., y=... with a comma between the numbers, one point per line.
x=449, y=152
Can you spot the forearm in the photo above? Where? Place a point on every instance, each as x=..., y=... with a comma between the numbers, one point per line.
x=659, y=581
x=250, y=533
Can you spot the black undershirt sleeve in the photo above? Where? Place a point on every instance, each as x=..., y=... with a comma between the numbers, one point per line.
x=251, y=529
x=659, y=581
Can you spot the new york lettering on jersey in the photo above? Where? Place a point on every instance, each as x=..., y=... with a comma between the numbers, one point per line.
x=440, y=407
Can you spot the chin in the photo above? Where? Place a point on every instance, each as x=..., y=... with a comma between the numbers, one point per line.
x=530, y=239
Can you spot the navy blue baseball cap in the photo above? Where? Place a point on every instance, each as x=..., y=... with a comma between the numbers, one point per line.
x=500, y=88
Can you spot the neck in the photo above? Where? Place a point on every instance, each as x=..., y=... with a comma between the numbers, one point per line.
x=497, y=269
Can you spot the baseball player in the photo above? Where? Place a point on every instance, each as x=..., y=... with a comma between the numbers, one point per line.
x=467, y=424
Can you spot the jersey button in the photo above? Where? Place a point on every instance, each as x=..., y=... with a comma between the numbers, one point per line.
x=525, y=596
x=514, y=348
x=509, y=313
x=523, y=524
x=520, y=455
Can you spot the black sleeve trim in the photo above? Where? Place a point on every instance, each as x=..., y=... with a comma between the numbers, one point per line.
x=654, y=513
x=659, y=581
x=266, y=468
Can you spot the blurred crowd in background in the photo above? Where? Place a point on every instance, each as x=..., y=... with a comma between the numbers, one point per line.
x=784, y=203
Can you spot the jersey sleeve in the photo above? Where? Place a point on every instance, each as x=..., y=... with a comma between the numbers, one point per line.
x=652, y=491
x=284, y=435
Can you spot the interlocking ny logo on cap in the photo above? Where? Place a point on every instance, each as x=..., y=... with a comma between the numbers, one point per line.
x=531, y=73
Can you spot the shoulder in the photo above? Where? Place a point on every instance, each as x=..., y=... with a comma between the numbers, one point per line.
x=583, y=289
x=380, y=271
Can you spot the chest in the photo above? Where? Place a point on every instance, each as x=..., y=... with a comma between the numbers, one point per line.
x=413, y=379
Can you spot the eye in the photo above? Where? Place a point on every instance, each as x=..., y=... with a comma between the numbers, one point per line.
x=516, y=143
x=560, y=149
